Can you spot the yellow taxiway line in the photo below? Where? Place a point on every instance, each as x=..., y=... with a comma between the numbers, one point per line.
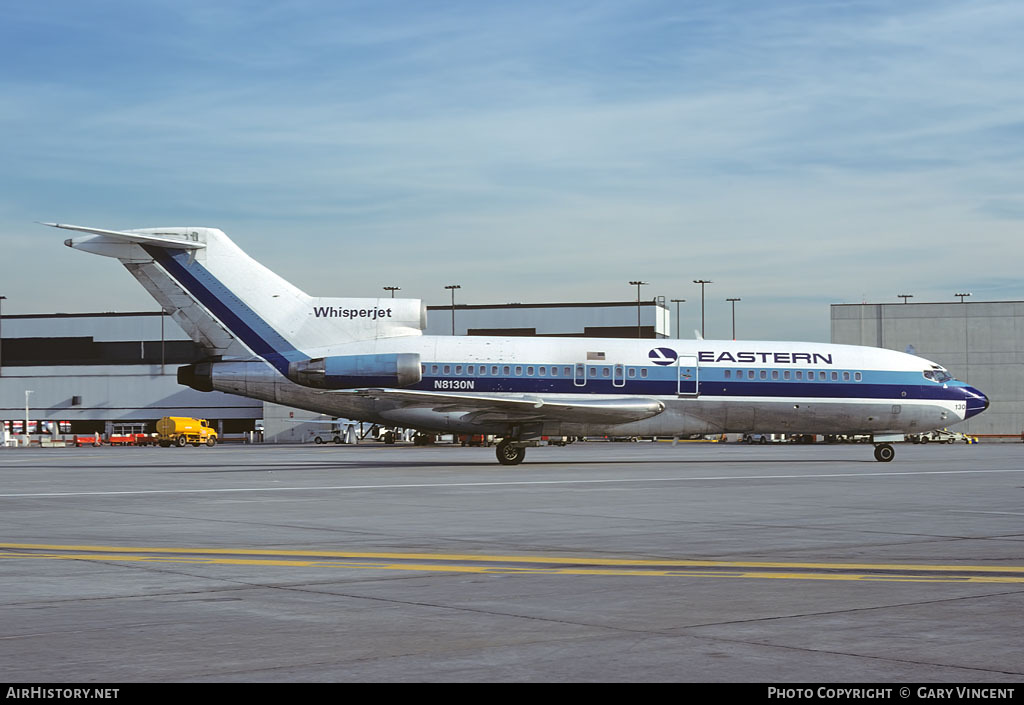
x=521, y=564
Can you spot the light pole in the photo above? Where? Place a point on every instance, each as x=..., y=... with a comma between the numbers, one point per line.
x=392, y=289
x=702, y=282
x=452, y=288
x=678, y=320
x=967, y=293
x=904, y=297
x=734, y=316
x=638, y=284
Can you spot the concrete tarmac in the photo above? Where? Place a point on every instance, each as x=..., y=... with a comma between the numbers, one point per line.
x=596, y=562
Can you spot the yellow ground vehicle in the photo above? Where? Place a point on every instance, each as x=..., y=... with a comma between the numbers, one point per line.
x=181, y=430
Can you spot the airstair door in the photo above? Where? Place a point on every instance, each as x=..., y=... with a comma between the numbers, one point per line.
x=688, y=376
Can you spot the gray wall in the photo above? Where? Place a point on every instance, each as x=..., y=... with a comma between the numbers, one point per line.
x=981, y=343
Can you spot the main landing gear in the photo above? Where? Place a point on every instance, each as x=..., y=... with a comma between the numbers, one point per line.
x=510, y=452
x=884, y=452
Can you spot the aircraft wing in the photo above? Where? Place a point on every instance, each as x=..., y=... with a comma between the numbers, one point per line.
x=519, y=408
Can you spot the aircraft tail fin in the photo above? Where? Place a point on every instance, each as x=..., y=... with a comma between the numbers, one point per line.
x=231, y=304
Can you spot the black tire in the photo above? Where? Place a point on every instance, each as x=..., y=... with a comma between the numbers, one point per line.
x=884, y=453
x=389, y=438
x=509, y=454
x=763, y=440
x=337, y=440
x=181, y=441
x=211, y=442
x=318, y=440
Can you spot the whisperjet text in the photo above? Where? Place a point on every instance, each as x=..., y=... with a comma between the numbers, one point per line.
x=778, y=358
x=334, y=312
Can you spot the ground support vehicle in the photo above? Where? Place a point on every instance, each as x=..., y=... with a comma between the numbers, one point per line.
x=181, y=431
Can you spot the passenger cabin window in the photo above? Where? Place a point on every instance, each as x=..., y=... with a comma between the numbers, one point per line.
x=857, y=376
x=728, y=374
x=643, y=372
x=447, y=369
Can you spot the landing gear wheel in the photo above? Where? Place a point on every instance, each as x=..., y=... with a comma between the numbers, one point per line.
x=389, y=437
x=509, y=454
x=884, y=452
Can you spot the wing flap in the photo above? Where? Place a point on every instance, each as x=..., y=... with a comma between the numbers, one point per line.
x=523, y=407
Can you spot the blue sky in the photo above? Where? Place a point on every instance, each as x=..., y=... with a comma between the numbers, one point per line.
x=798, y=154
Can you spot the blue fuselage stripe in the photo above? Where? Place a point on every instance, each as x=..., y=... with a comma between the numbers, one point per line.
x=239, y=318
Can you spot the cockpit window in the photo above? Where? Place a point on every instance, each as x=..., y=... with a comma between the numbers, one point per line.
x=939, y=376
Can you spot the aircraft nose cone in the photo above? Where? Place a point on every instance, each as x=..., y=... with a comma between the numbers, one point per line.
x=977, y=402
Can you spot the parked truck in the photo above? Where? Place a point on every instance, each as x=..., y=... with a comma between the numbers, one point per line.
x=181, y=430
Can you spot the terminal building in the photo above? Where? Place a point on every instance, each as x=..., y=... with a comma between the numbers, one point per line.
x=614, y=319
x=115, y=373
x=108, y=373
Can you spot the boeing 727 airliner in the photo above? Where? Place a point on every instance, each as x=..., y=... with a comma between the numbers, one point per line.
x=367, y=359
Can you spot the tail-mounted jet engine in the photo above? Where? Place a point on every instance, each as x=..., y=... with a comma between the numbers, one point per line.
x=350, y=371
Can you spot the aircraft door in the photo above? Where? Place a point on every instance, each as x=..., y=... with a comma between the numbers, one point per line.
x=688, y=376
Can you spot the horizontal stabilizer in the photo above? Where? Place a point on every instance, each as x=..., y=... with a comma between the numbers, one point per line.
x=176, y=241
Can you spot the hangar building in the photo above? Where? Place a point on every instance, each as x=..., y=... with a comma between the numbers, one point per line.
x=979, y=342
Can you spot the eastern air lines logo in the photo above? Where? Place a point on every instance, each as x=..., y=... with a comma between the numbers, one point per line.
x=663, y=356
